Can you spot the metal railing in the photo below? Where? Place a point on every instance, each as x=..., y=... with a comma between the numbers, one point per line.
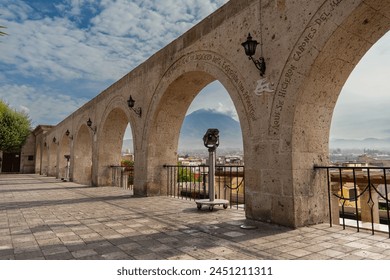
x=359, y=196
x=191, y=182
x=122, y=177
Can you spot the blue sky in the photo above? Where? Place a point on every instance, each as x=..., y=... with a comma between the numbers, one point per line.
x=60, y=54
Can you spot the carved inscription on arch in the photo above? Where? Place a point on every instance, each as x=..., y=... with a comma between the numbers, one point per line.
x=226, y=67
x=304, y=44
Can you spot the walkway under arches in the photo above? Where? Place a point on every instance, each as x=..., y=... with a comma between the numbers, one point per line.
x=64, y=220
x=309, y=54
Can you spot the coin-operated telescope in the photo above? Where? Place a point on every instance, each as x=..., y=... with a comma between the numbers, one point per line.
x=211, y=141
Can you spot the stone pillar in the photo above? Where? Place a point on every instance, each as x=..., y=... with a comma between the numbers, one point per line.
x=220, y=182
x=334, y=203
x=366, y=203
x=124, y=177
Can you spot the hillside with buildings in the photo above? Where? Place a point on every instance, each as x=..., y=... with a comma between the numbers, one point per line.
x=367, y=143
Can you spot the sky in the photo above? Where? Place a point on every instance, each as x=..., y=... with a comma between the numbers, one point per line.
x=59, y=54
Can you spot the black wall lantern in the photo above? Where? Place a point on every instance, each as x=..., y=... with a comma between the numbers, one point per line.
x=250, y=50
x=67, y=133
x=89, y=124
x=131, y=103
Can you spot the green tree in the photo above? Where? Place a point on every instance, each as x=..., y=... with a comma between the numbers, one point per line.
x=14, y=128
x=186, y=174
x=2, y=33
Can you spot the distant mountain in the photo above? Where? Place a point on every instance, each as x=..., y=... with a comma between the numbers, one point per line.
x=196, y=124
x=368, y=143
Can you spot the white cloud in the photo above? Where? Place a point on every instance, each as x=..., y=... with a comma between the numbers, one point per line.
x=119, y=38
x=44, y=48
x=43, y=107
x=214, y=97
x=15, y=10
x=24, y=109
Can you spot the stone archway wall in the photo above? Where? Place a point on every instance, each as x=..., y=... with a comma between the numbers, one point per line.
x=165, y=127
x=326, y=53
x=82, y=156
x=318, y=97
x=110, y=140
x=309, y=48
x=177, y=89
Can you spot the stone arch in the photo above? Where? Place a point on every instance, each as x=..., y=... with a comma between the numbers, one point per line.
x=82, y=156
x=64, y=149
x=307, y=94
x=110, y=135
x=177, y=89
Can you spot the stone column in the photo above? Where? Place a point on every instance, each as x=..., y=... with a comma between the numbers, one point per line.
x=334, y=203
x=366, y=203
x=220, y=182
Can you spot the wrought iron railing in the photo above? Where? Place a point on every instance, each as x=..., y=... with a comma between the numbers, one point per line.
x=191, y=182
x=359, y=194
x=122, y=177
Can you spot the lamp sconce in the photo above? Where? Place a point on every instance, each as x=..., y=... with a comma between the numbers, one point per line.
x=67, y=133
x=131, y=103
x=250, y=50
x=89, y=124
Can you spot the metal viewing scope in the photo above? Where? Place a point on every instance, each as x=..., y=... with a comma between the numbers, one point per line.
x=211, y=138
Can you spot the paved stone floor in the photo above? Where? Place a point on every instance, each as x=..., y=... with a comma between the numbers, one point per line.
x=44, y=218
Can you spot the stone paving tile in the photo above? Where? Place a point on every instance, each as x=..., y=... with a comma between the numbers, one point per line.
x=51, y=219
x=367, y=255
x=83, y=253
x=34, y=255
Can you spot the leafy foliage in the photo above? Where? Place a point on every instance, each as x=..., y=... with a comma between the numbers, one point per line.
x=185, y=174
x=127, y=163
x=14, y=128
x=2, y=33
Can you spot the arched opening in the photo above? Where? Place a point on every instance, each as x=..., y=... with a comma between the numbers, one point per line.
x=128, y=159
x=360, y=118
x=211, y=108
x=359, y=139
x=64, y=157
x=167, y=122
x=314, y=106
x=82, y=161
x=110, y=146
